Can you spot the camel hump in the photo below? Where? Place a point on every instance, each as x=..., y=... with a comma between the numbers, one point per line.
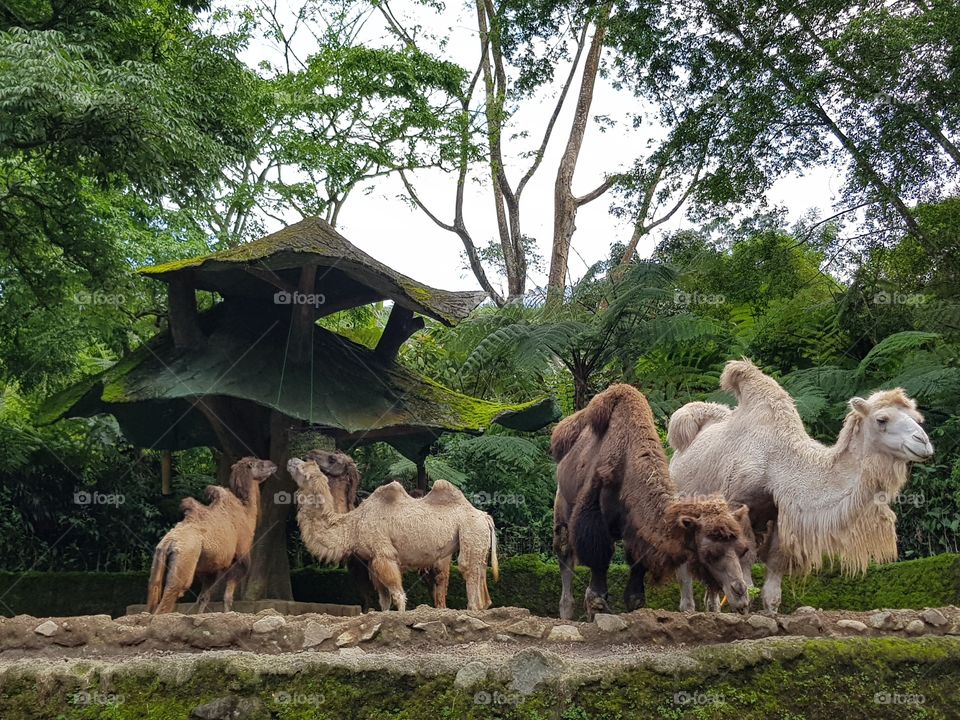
x=191, y=506
x=390, y=493
x=218, y=493
x=444, y=492
x=597, y=415
x=748, y=383
x=689, y=420
x=605, y=404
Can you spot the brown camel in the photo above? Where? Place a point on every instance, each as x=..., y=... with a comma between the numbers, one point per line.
x=613, y=483
x=392, y=532
x=344, y=481
x=212, y=541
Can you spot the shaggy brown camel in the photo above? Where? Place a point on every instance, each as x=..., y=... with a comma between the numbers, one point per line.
x=392, y=532
x=826, y=501
x=344, y=480
x=613, y=483
x=212, y=541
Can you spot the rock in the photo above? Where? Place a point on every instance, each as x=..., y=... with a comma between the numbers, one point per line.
x=361, y=633
x=435, y=630
x=529, y=627
x=881, y=621
x=470, y=674
x=351, y=652
x=232, y=708
x=268, y=623
x=609, y=623
x=934, y=617
x=468, y=622
x=764, y=623
x=47, y=628
x=315, y=633
x=803, y=609
x=728, y=618
x=915, y=627
x=500, y=637
x=531, y=667
x=394, y=633
x=564, y=633
x=808, y=624
x=854, y=625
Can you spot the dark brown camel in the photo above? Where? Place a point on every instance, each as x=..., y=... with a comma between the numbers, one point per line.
x=612, y=483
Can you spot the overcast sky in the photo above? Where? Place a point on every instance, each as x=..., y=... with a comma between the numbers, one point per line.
x=383, y=225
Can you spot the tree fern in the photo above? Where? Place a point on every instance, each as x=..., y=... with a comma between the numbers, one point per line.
x=888, y=351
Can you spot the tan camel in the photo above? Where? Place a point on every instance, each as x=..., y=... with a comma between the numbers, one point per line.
x=392, y=532
x=613, y=483
x=212, y=542
x=344, y=481
x=825, y=501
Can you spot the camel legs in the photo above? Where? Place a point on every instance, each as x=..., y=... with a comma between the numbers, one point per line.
x=180, y=570
x=635, y=595
x=776, y=567
x=388, y=580
x=441, y=580
x=687, y=603
x=207, y=581
x=234, y=574
x=567, y=565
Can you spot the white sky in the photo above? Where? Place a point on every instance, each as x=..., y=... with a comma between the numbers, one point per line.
x=404, y=238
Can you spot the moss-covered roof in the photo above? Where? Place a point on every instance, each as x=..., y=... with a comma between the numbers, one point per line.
x=346, y=389
x=346, y=276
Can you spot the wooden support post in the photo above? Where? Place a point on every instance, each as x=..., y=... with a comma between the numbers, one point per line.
x=166, y=472
x=184, y=320
x=303, y=315
x=422, y=474
x=400, y=326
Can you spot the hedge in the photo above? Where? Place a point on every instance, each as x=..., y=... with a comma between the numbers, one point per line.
x=525, y=581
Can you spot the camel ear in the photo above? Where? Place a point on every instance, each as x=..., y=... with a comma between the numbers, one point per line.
x=859, y=406
x=688, y=522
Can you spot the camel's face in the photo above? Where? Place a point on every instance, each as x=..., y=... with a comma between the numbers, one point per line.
x=258, y=469
x=341, y=475
x=724, y=552
x=312, y=485
x=331, y=463
x=893, y=429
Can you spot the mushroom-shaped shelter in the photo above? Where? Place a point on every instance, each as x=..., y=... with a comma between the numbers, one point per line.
x=245, y=374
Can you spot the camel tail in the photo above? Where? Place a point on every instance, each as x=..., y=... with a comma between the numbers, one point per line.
x=494, y=563
x=158, y=574
x=688, y=421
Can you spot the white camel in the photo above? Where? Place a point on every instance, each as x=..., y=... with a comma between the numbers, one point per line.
x=825, y=501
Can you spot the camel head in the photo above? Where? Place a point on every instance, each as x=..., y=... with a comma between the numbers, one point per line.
x=890, y=424
x=313, y=488
x=720, y=548
x=342, y=476
x=247, y=473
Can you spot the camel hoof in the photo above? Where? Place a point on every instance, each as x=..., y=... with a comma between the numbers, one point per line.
x=634, y=602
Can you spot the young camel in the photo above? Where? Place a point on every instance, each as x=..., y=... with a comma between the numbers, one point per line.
x=392, y=532
x=613, y=483
x=822, y=501
x=344, y=481
x=212, y=541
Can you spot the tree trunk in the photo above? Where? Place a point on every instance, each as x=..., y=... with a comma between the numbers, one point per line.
x=565, y=203
x=269, y=575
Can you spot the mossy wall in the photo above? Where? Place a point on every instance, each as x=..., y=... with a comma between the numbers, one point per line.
x=852, y=678
x=525, y=581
